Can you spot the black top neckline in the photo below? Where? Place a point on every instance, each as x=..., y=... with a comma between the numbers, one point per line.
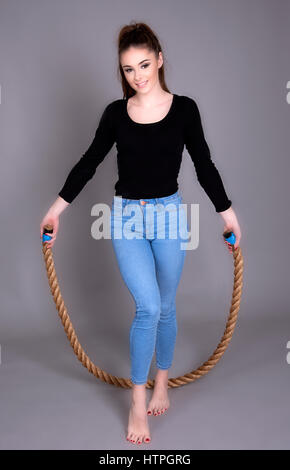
x=149, y=124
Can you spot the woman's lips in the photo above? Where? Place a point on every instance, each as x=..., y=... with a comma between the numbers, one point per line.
x=142, y=84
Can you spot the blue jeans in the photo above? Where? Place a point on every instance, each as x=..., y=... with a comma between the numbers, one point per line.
x=151, y=266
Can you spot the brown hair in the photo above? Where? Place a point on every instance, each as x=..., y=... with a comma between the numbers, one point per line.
x=138, y=35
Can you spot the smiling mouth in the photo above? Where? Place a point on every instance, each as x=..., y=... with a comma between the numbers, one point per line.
x=142, y=83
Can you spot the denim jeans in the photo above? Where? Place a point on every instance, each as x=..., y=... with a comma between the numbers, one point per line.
x=150, y=263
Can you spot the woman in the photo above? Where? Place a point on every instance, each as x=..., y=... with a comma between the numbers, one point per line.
x=151, y=127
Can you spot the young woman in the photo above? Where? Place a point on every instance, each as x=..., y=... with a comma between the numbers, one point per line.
x=150, y=126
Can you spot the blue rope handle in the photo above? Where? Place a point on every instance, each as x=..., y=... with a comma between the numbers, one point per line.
x=230, y=238
x=45, y=237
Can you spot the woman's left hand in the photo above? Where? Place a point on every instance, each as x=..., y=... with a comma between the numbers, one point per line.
x=231, y=225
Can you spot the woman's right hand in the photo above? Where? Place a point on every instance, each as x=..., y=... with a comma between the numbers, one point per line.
x=52, y=219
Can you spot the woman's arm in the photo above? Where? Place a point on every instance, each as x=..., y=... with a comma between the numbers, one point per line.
x=206, y=171
x=85, y=168
x=82, y=172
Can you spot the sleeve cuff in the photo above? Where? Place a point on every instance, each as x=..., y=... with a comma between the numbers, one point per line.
x=63, y=196
x=224, y=207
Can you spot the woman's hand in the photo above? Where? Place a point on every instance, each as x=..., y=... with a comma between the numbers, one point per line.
x=52, y=219
x=231, y=225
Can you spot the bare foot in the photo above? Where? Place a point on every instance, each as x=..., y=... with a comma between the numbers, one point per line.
x=138, y=429
x=159, y=402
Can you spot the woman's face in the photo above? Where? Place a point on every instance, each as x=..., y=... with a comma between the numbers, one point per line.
x=140, y=66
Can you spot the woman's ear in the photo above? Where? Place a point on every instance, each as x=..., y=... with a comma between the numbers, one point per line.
x=160, y=60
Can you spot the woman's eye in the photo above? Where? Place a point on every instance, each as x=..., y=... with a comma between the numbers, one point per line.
x=144, y=65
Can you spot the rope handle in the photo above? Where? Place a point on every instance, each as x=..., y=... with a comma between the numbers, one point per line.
x=230, y=238
x=47, y=229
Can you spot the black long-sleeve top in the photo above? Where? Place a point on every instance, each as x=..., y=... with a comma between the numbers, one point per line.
x=149, y=155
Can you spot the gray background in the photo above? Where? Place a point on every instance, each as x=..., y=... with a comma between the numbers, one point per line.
x=58, y=72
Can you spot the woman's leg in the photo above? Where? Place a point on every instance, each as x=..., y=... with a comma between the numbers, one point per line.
x=137, y=266
x=169, y=261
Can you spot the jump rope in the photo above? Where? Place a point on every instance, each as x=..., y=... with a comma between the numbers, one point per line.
x=125, y=382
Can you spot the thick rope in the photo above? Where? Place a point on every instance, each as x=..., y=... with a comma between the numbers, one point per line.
x=126, y=383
